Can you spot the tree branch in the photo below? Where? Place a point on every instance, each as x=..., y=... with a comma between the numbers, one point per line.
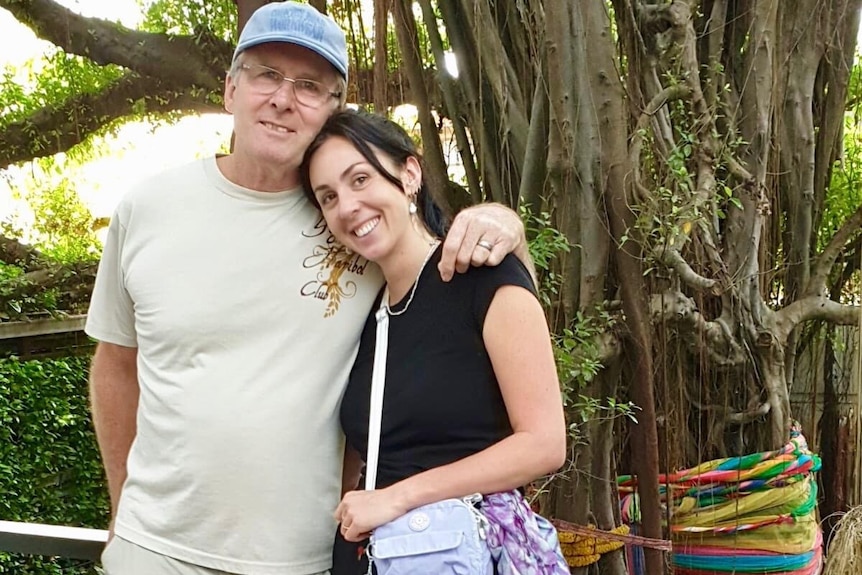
x=674, y=260
x=175, y=59
x=15, y=253
x=405, y=31
x=535, y=158
x=715, y=337
x=449, y=91
x=826, y=259
x=53, y=130
x=728, y=414
x=815, y=307
x=739, y=171
x=470, y=80
x=830, y=98
x=655, y=18
x=715, y=31
x=658, y=101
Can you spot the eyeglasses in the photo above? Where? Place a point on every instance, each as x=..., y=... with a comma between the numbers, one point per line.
x=265, y=80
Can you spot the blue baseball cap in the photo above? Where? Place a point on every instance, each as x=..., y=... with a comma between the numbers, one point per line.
x=295, y=23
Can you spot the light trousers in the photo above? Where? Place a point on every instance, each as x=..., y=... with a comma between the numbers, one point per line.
x=123, y=557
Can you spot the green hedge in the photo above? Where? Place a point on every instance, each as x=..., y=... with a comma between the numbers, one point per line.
x=50, y=471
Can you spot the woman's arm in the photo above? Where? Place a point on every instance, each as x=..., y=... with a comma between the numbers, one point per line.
x=518, y=343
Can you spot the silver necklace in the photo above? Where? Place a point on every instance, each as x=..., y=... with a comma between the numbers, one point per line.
x=415, y=284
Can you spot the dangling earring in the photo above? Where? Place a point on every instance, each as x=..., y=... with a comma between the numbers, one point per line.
x=414, y=191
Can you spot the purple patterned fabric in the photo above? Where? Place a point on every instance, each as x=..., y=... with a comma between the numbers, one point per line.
x=521, y=541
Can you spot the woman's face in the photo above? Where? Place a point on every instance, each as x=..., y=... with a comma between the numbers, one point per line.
x=367, y=213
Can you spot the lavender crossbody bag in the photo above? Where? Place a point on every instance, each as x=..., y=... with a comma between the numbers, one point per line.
x=447, y=537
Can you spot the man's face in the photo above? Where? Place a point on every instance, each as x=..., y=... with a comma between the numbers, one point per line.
x=275, y=128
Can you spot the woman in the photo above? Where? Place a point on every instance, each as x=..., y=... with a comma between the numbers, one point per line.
x=472, y=401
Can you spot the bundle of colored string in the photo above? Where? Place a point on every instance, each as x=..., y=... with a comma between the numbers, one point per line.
x=750, y=514
x=585, y=546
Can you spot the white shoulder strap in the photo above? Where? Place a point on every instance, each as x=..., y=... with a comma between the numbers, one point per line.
x=378, y=381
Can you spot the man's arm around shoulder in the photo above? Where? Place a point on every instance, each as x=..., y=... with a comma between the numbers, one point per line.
x=482, y=235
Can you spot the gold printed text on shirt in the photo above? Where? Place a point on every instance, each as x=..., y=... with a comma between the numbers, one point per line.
x=331, y=284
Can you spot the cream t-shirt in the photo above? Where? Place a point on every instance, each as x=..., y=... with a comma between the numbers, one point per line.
x=246, y=314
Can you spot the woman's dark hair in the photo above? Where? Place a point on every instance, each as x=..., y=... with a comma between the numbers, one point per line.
x=368, y=132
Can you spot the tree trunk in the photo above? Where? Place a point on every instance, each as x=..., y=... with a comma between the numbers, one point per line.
x=832, y=477
x=609, y=98
x=381, y=62
x=435, y=166
x=604, y=498
x=245, y=8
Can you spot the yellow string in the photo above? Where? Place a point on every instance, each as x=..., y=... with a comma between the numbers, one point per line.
x=583, y=550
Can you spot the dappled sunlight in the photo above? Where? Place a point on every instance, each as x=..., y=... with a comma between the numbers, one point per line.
x=134, y=151
x=138, y=149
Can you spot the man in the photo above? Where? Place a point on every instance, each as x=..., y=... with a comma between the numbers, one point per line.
x=228, y=319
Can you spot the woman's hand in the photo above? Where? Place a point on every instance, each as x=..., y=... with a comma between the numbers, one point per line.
x=360, y=512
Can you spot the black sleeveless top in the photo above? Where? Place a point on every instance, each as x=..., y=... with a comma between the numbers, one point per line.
x=441, y=401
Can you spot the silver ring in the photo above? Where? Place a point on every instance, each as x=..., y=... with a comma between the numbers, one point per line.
x=485, y=244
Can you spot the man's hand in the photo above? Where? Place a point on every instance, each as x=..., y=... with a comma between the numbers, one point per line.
x=483, y=235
